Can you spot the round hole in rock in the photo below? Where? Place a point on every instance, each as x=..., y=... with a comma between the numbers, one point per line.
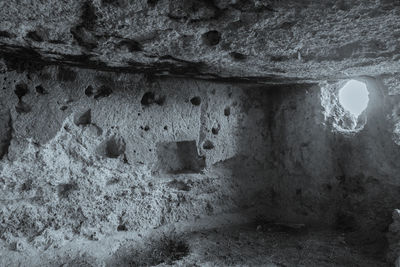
x=112, y=148
x=89, y=90
x=353, y=97
x=207, y=145
x=211, y=38
x=121, y=227
x=196, y=101
x=147, y=99
x=40, y=90
x=152, y=98
x=21, y=89
x=215, y=129
x=227, y=111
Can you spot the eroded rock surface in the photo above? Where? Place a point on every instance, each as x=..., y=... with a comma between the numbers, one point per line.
x=270, y=41
x=99, y=153
x=124, y=117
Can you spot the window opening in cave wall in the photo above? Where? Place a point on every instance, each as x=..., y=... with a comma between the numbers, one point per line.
x=353, y=97
x=344, y=105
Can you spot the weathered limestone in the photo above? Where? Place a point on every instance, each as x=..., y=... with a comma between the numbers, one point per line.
x=97, y=153
x=266, y=41
x=117, y=117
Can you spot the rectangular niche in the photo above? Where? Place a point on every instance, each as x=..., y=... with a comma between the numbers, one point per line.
x=179, y=157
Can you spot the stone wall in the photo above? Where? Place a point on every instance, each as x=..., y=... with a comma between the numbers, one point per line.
x=348, y=180
x=88, y=154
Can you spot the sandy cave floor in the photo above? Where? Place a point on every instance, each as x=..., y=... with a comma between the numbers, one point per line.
x=240, y=245
x=252, y=245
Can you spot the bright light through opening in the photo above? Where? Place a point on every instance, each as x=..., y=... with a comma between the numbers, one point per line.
x=353, y=97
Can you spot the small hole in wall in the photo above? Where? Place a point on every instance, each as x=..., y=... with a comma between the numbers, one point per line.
x=89, y=91
x=152, y=3
x=207, y=145
x=227, y=111
x=35, y=36
x=152, y=98
x=215, y=129
x=196, y=101
x=112, y=148
x=40, y=90
x=121, y=228
x=66, y=75
x=64, y=190
x=83, y=118
x=211, y=38
x=21, y=89
x=179, y=157
x=115, y=147
x=237, y=56
x=354, y=97
x=103, y=91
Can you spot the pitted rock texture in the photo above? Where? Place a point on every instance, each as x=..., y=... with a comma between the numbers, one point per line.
x=258, y=40
x=140, y=156
x=99, y=153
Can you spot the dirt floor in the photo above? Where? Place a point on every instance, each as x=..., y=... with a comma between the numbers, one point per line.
x=247, y=245
x=254, y=244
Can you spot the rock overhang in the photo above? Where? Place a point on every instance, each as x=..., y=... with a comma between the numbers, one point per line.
x=243, y=41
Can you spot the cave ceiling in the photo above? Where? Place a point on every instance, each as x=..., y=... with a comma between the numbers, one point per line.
x=228, y=40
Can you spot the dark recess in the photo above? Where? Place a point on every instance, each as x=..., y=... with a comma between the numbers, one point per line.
x=64, y=190
x=193, y=10
x=89, y=91
x=227, y=111
x=83, y=31
x=84, y=118
x=66, y=74
x=152, y=3
x=114, y=147
x=207, y=145
x=215, y=130
x=21, y=89
x=5, y=34
x=103, y=91
x=150, y=98
x=34, y=36
x=179, y=157
x=237, y=56
x=121, y=228
x=88, y=16
x=132, y=45
x=6, y=136
x=211, y=38
x=40, y=90
x=196, y=101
